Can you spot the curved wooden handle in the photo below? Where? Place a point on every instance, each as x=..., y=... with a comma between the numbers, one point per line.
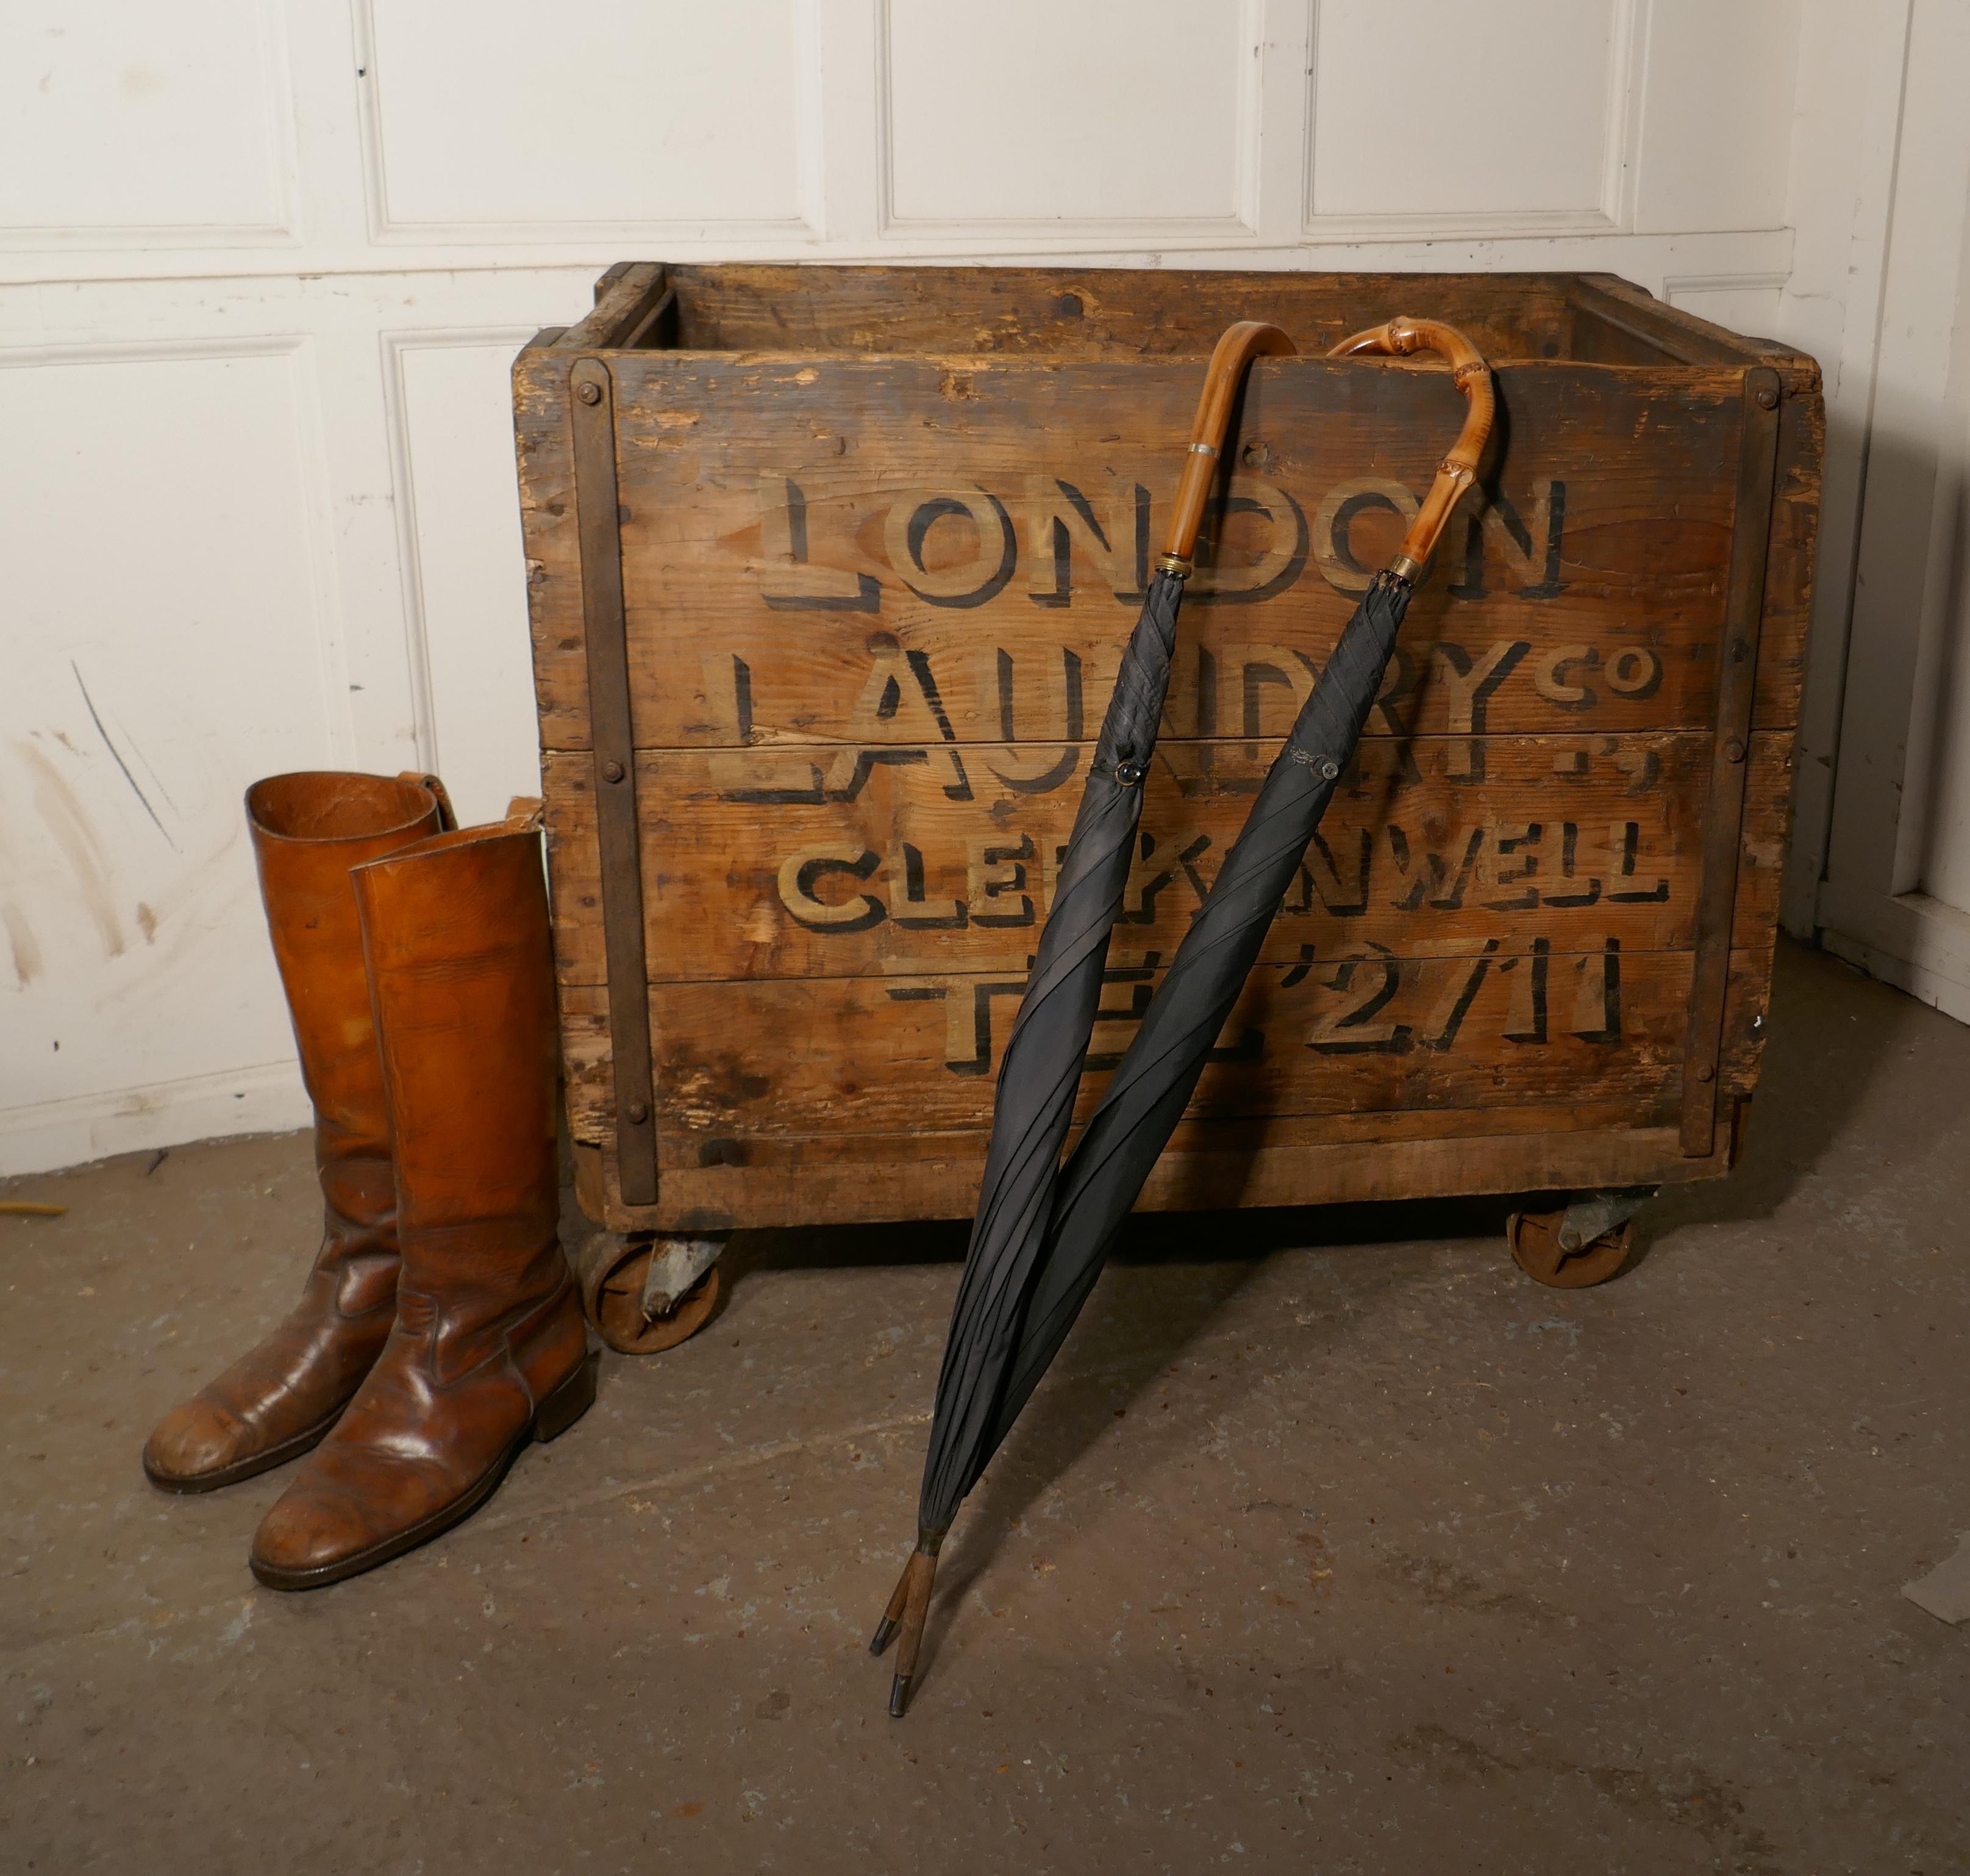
x=1240, y=344
x=1459, y=467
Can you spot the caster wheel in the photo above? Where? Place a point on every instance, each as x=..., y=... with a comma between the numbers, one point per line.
x=615, y=1270
x=619, y=1319
x=1534, y=1237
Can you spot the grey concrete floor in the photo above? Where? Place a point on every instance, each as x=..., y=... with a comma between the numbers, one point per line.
x=1334, y=1545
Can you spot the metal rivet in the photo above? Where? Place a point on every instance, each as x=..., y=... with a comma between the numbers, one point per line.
x=1706, y=1073
x=1768, y=398
x=612, y=772
x=636, y=1113
x=1733, y=750
x=589, y=393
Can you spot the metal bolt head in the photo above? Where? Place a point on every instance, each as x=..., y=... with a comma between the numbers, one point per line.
x=589, y=393
x=636, y=1113
x=1768, y=398
x=612, y=772
x=1705, y=1072
x=1733, y=750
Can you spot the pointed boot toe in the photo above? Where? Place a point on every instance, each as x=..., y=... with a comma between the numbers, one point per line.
x=198, y=1446
x=307, y=1534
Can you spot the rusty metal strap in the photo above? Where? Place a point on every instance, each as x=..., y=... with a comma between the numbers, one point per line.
x=1723, y=817
x=605, y=635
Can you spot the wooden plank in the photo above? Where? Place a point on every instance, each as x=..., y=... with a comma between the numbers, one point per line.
x=624, y=297
x=1366, y=1032
x=1430, y=845
x=1676, y=336
x=1296, y=1160
x=796, y=527
x=1093, y=312
x=723, y=1198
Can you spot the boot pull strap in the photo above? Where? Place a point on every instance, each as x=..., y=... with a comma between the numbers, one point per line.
x=446, y=819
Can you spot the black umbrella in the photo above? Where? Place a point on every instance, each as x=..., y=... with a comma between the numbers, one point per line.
x=1042, y=1067
x=1148, y=1092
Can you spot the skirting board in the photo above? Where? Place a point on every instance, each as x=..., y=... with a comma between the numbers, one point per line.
x=1916, y=943
x=1941, y=993
x=43, y=1135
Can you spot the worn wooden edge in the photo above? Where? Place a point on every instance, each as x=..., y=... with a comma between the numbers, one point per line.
x=627, y=292
x=1684, y=375
x=624, y=297
x=1700, y=333
x=725, y=1198
x=1683, y=338
x=1791, y=555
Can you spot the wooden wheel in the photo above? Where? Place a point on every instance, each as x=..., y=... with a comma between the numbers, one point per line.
x=614, y=1270
x=1534, y=1237
x=619, y=1315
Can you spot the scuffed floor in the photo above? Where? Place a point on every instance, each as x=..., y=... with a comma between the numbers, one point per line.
x=1336, y=1545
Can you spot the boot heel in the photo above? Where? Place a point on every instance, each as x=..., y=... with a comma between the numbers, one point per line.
x=565, y=1404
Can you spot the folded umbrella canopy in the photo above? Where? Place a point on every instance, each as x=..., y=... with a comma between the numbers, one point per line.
x=1042, y=1067
x=1148, y=1092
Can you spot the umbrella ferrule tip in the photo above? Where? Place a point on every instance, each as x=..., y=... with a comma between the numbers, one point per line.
x=886, y=1632
x=899, y=1696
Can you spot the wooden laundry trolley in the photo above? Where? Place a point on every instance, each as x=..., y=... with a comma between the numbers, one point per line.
x=830, y=569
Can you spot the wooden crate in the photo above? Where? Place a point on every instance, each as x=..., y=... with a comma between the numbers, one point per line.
x=831, y=568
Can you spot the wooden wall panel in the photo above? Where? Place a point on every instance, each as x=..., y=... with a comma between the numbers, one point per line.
x=124, y=126
x=1048, y=122
x=705, y=118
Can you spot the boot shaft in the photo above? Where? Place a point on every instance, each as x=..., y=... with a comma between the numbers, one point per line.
x=309, y=829
x=461, y=979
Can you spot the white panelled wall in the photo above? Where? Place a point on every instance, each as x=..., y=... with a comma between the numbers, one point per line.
x=263, y=265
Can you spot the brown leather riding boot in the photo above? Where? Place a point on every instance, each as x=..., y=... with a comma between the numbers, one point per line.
x=280, y=1399
x=488, y=1350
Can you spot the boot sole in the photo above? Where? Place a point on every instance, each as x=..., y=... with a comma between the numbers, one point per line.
x=291, y=1447
x=563, y=1405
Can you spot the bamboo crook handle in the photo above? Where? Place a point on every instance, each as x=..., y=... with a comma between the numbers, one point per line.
x=1240, y=344
x=1459, y=469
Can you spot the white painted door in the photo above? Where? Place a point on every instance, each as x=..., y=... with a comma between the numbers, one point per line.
x=263, y=262
x=1896, y=896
